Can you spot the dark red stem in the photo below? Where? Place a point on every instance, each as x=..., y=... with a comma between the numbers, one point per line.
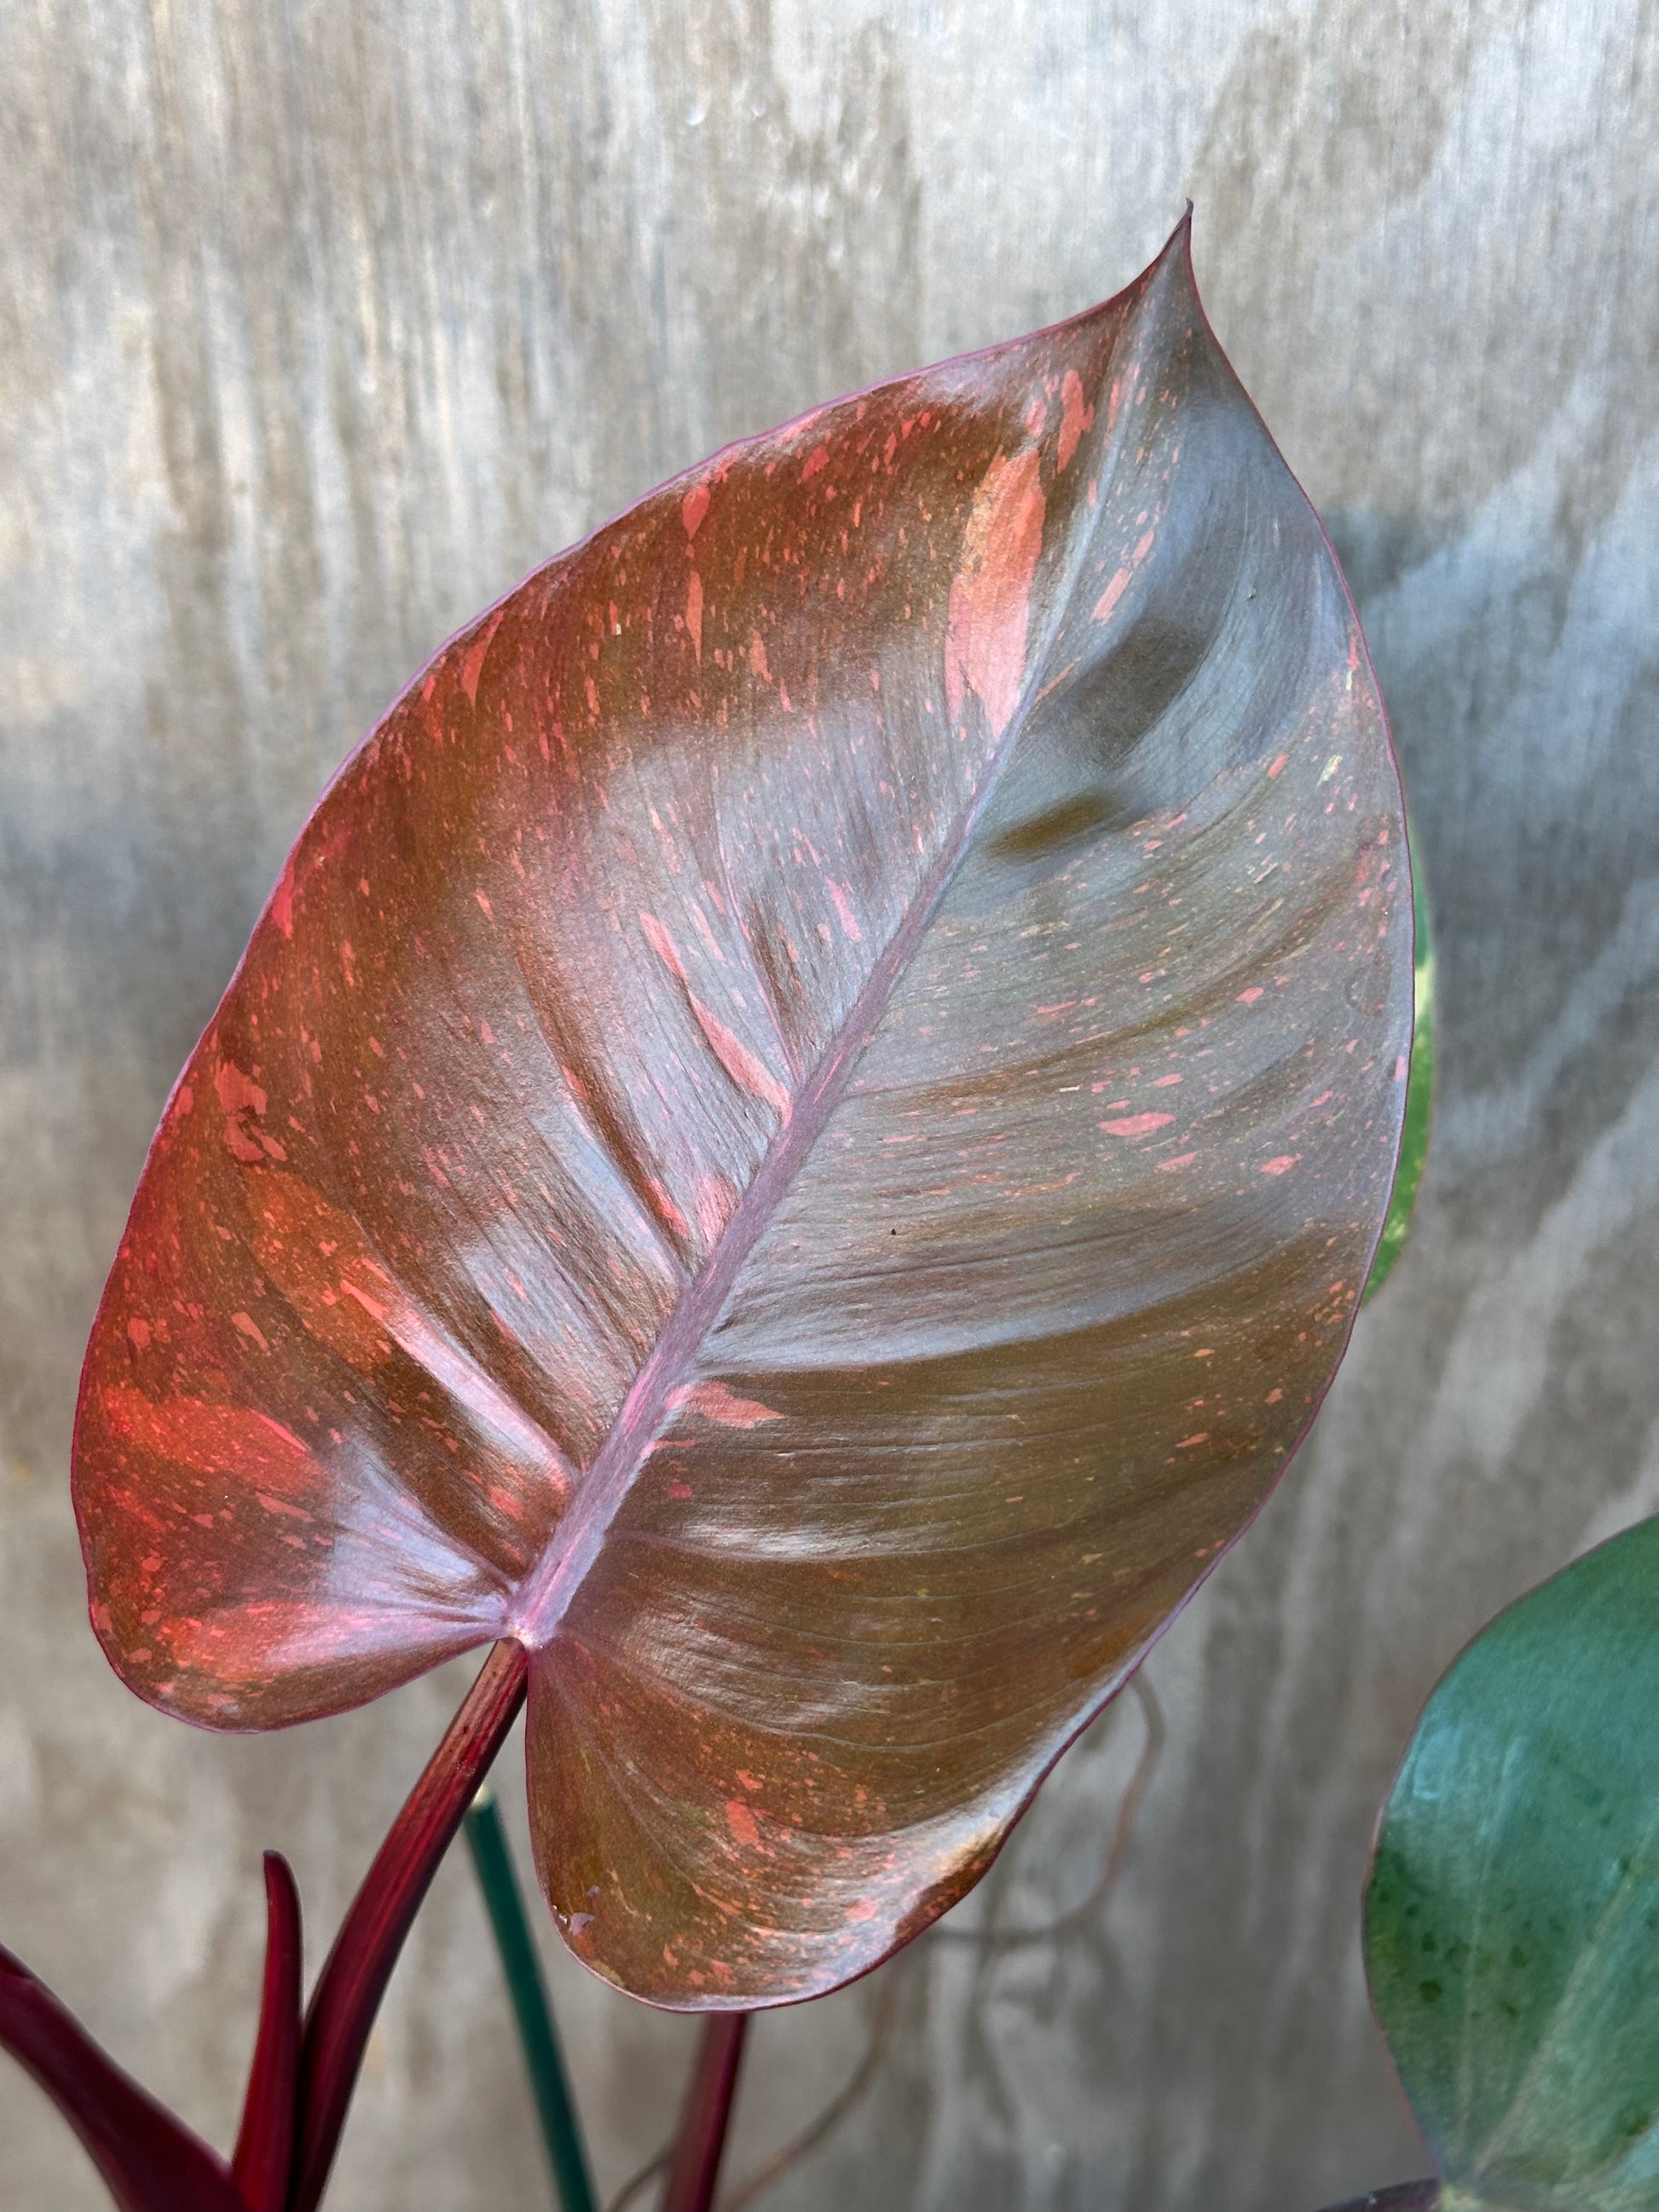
x=263, y=2163
x=1404, y=2197
x=150, y=2161
x=349, y=1990
x=696, y=2164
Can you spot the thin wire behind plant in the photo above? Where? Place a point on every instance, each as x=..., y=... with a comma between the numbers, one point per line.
x=834, y=2111
x=1002, y=1939
x=641, y=2178
x=865, y=2074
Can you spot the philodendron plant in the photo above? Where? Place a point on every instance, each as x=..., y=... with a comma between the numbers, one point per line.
x=791, y=1155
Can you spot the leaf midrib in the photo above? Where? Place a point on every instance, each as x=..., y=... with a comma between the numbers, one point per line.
x=546, y=1592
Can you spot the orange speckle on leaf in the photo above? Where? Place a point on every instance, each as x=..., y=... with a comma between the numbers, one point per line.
x=741, y=1822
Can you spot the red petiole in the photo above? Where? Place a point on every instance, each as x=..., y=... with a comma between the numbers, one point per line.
x=350, y=1986
x=302, y=2076
x=300, y=2080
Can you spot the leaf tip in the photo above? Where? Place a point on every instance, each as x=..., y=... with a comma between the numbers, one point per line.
x=1177, y=248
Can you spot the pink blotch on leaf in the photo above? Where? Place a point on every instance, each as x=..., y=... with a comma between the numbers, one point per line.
x=716, y=1203
x=666, y=1207
x=1137, y=1125
x=989, y=615
x=282, y=900
x=662, y=944
x=693, y=613
x=1278, y=1165
x=238, y=1093
x=844, y=908
x=210, y=1439
x=692, y=507
x=1075, y=418
x=473, y=661
x=714, y=1402
x=243, y=1102
x=1113, y=593
x=741, y=1822
x=746, y=1070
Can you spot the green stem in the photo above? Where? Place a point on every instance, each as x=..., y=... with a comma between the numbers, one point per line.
x=537, y=2037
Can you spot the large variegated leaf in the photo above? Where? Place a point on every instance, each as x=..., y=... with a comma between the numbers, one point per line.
x=802, y=1132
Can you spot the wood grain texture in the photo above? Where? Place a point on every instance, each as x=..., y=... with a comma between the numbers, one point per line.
x=317, y=327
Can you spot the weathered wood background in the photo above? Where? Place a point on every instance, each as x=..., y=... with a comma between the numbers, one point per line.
x=321, y=323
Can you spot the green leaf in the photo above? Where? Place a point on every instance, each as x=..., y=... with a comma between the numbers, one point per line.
x=1513, y=1915
x=1419, y=1094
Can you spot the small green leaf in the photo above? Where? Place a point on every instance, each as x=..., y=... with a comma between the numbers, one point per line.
x=1513, y=1915
x=1420, y=1096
